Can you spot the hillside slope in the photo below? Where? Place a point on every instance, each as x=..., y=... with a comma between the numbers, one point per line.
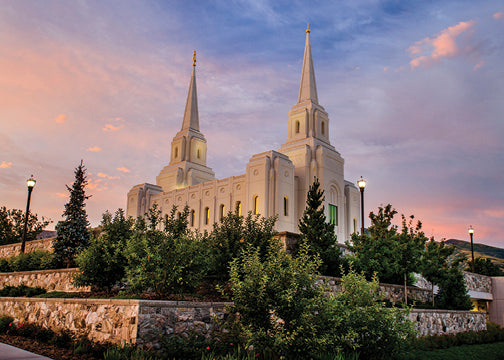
x=480, y=250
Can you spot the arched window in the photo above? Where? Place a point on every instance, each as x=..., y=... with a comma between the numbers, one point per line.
x=256, y=204
x=286, y=206
x=198, y=153
x=222, y=212
x=192, y=217
x=297, y=127
x=176, y=152
x=322, y=126
x=207, y=216
x=238, y=207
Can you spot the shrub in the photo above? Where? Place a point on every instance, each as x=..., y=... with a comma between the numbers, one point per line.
x=5, y=320
x=21, y=290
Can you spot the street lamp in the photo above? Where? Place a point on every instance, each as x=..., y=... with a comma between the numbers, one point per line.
x=31, y=184
x=471, y=232
x=362, y=184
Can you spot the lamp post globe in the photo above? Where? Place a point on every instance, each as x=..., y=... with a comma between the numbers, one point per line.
x=30, y=183
x=361, y=183
x=471, y=233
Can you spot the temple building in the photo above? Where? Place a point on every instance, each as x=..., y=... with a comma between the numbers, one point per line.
x=275, y=182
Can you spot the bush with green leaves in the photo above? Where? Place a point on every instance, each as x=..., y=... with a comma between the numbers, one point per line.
x=12, y=226
x=167, y=261
x=36, y=260
x=284, y=313
x=22, y=290
x=102, y=264
x=485, y=266
x=233, y=234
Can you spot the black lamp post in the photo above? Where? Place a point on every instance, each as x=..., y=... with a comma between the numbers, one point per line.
x=471, y=232
x=362, y=184
x=31, y=184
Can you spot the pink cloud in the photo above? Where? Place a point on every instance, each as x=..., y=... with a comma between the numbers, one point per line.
x=428, y=51
x=497, y=213
x=123, y=169
x=498, y=15
x=5, y=165
x=102, y=175
x=110, y=127
x=478, y=65
x=62, y=195
x=60, y=119
x=94, y=149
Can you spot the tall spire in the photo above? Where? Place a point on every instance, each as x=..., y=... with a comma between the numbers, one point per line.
x=308, y=87
x=191, y=118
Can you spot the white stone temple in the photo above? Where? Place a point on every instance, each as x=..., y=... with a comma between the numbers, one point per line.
x=274, y=183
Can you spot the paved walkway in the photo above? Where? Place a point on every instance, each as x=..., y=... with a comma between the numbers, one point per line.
x=8, y=352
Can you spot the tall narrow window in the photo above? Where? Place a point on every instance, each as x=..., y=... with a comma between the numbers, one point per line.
x=286, y=206
x=207, y=216
x=297, y=127
x=238, y=207
x=176, y=152
x=354, y=225
x=192, y=217
x=333, y=214
x=256, y=204
x=222, y=212
x=322, y=126
x=198, y=153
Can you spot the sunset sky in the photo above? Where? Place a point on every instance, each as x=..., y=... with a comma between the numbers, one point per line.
x=414, y=92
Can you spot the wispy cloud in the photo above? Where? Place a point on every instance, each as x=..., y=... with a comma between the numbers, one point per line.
x=498, y=15
x=123, y=169
x=60, y=119
x=94, y=149
x=478, y=65
x=110, y=127
x=5, y=165
x=443, y=45
x=62, y=195
x=102, y=175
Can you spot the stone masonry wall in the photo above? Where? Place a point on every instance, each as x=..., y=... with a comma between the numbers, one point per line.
x=51, y=280
x=441, y=322
x=181, y=318
x=113, y=321
x=477, y=282
x=15, y=249
x=394, y=293
x=145, y=323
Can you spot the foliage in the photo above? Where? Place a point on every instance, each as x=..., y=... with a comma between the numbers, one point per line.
x=485, y=266
x=102, y=264
x=434, y=262
x=230, y=236
x=463, y=352
x=166, y=261
x=452, y=294
x=36, y=260
x=5, y=320
x=72, y=232
x=12, y=226
x=317, y=233
x=127, y=353
x=284, y=313
x=21, y=290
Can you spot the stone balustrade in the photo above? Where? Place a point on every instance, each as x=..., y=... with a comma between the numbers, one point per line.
x=51, y=280
x=15, y=249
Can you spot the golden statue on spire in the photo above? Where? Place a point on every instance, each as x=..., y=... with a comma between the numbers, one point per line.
x=307, y=28
x=194, y=58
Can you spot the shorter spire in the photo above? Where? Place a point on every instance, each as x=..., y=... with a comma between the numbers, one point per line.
x=191, y=118
x=308, y=86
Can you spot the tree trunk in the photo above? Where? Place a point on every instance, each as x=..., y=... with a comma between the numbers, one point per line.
x=406, y=288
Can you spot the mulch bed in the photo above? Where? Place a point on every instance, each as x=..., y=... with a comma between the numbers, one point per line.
x=51, y=351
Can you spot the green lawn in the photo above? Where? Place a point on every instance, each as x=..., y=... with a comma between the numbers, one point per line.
x=493, y=351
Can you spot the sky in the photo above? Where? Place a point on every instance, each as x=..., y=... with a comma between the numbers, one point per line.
x=414, y=92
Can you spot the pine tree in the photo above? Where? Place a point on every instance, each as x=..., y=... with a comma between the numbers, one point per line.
x=73, y=234
x=317, y=233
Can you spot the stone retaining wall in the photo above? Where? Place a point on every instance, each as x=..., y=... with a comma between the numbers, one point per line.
x=15, y=249
x=442, y=322
x=51, y=280
x=145, y=323
x=477, y=282
x=393, y=293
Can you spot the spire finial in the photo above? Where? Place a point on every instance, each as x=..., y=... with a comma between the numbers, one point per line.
x=307, y=28
x=194, y=58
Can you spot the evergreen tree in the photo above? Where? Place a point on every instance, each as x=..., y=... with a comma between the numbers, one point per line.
x=318, y=234
x=73, y=234
x=485, y=266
